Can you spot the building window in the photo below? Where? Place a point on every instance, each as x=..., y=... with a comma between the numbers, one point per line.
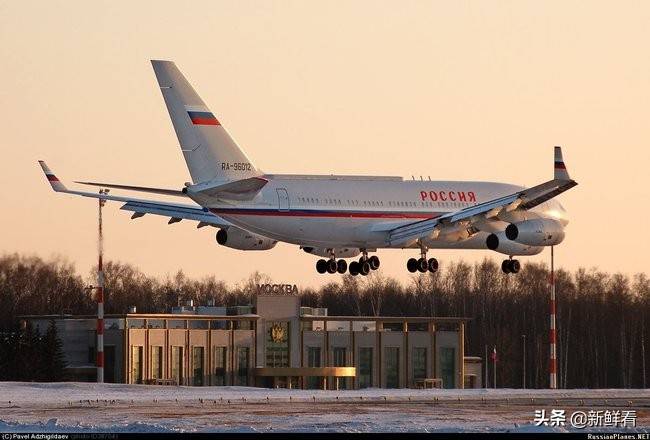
x=313, y=361
x=243, y=325
x=177, y=364
x=277, y=344
x=393, y=326
x=365, y=367
x=419, y=363
x=392, y=367
x=448, y=366
x=340, y=360
x=198, y=324
x=197, y=366
x=136, y=364
x=156, y=362
x=243, y=354
x=155, y=323
x=220, y=363
x=219, y=325
x=136, y=323
x=176, y=323
x=339, y=356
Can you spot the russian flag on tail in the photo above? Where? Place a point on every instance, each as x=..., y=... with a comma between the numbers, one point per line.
x=201, y=116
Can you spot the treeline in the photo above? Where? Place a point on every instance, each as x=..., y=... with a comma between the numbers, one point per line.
x=602, y=318
x=26, y=355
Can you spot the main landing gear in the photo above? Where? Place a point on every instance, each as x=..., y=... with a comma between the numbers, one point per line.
x=422, y=264
x=361, y=267
x=510, y=266
x=331, y=266
x=364, y=265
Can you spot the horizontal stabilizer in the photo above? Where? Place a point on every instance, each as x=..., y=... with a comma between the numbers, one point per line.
x=244, y=189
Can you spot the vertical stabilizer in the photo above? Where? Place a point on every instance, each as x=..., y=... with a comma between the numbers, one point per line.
x=209, y=151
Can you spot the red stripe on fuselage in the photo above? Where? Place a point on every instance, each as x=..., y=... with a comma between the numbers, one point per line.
x=328, y=214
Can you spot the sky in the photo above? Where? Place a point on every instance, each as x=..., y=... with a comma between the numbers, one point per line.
x=472, y=90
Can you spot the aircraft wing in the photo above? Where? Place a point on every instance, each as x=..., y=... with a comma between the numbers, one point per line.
x=175, y=211
x=522, y=200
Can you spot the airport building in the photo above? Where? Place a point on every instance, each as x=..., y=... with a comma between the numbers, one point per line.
x=273, y=343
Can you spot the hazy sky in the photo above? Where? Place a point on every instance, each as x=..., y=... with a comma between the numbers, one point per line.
x=453, y=90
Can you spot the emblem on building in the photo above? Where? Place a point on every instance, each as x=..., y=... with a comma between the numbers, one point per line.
x=277, y=333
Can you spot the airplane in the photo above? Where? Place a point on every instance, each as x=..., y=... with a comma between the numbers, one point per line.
x=338, y=217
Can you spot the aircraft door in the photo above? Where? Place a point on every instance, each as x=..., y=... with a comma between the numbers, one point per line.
x=283, y=199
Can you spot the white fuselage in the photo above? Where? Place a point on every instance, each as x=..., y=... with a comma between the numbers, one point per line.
x=348, y=211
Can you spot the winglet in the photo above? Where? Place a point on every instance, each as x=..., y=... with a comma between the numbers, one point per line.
x=560, y=171
x=57, y=185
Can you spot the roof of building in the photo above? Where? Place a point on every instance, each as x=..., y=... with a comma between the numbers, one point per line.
x=248, y=316
x=251, y=316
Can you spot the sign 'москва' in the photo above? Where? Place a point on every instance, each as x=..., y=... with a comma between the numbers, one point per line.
x=277, y=289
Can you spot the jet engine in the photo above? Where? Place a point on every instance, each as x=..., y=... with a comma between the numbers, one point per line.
x=243, y=240
x=339, y=252
x=498, y=242
x=536, y=232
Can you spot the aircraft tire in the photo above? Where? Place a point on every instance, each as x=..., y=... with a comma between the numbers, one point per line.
x=374, y=262
x=341, y=266
x=412, y=265
x=515, y=266
x=321, y=266
x=423, y=265
x=432, y=265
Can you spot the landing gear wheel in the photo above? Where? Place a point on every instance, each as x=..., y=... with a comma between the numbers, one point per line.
x=374, y=262
x=364, y=268
x=412, y=265
x=515, y=267
x=432, y=265
x=321, y=266
x=341, y=266
x=331, y=266
x=423, y=265
x=505, y=266
x=354, y=268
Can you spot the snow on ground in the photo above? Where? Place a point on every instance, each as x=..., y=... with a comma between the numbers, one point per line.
x=63, y=392
x=89, y=407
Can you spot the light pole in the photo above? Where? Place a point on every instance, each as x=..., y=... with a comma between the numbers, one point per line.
x=552, y=368
x=523, y=375
x=100, y=293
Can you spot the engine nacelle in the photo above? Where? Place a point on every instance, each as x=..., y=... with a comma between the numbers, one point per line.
x=243, y=240
x=339, y=252
x=536, y=232
x=498, y=242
